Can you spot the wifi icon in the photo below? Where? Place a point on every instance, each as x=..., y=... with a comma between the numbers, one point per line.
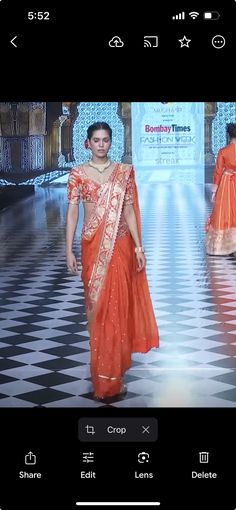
x=193, y=15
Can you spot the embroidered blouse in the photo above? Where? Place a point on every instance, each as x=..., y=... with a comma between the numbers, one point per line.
x=81, y=188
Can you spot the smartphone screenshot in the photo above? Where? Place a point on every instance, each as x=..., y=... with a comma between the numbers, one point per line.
x=118, y=256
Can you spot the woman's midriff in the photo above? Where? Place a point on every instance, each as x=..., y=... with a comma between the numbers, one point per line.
x=88, y=207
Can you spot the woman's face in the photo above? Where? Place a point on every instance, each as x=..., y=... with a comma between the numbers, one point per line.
x=100, y=143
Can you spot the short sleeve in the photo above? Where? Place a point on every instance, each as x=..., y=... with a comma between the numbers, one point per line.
x=74, y=188
x=129, y=196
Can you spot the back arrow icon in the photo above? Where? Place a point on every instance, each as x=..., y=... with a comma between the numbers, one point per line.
x=12, y=41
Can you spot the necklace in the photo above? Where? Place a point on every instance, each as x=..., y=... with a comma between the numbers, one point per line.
x=100, y=167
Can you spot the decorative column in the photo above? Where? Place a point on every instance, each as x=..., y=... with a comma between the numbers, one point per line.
x=67, y=130
x=61, y=157
x=125, y=115
x=6, y=130
x=33, y=157
x=58, y=159
x=210, y=112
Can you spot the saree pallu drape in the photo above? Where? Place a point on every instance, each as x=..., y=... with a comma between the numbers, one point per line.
x=118, y=304
x=221, y=224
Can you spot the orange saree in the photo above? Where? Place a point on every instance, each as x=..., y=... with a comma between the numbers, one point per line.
x=221, y=224
x=118, y=304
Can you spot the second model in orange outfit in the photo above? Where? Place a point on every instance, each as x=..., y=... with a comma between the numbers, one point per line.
x=221, y=225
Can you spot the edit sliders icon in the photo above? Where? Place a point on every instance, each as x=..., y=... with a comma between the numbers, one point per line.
x=116, y=42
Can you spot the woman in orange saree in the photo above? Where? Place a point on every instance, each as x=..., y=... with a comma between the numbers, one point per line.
x=119, y=310
x=221, y=224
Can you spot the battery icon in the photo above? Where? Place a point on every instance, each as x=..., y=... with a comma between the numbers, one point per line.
x=211, y=15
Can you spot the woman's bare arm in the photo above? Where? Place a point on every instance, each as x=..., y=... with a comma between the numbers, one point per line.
x=71, y=224
x=130, y=218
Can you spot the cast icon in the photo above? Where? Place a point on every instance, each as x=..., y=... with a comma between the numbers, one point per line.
x=150, y=41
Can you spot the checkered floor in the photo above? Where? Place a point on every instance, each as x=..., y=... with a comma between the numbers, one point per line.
x=44, y=349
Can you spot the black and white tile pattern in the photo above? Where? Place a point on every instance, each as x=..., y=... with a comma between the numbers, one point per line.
x=44, y=348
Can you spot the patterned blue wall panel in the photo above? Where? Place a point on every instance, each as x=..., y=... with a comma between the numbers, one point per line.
x=88, y=113
x=226, y=112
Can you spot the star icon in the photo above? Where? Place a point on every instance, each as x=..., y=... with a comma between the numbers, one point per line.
x=184, y=42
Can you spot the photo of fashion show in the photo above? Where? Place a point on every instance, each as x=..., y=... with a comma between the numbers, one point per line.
x=118, y=254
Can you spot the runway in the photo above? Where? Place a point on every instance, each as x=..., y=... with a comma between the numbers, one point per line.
x=44, y=349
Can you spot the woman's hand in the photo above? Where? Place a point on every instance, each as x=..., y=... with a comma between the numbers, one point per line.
x=213, y=197
x=141, y=260
x=71, y=262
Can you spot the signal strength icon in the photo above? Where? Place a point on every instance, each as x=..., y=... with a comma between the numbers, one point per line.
x=194, y=15
x=181, y=15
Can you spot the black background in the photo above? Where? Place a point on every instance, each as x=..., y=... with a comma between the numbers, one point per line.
x=70, y=56
x=52, y=435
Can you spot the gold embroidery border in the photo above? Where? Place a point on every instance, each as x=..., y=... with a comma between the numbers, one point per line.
x=115, y=198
